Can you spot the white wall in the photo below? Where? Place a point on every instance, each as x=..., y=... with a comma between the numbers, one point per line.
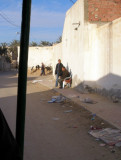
x=37, y=55
x=57, y=54
x=72, y=42
x=110, y=53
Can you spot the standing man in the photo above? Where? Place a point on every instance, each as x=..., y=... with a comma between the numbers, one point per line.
x=58, y=71
x=42, y=69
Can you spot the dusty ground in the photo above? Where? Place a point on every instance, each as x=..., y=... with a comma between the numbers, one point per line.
x=50, y=133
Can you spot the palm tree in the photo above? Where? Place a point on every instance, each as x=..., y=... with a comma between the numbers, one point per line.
x=33, y=44
x=59, y=40
x=13, y=48
x=45, y=43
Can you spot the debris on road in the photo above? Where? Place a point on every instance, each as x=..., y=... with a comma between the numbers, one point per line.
x=95, y=128
x=73, y=96
x=55, y=118
x=88, y=100
x=108, y=135
x=57, y=99
x=52, y=100
x=118, y=144
x=37, y=81
x=75, y=127
x=93, y=117
x=68, y=111
x=113, y=151
x=102, y=144
x=102, y=123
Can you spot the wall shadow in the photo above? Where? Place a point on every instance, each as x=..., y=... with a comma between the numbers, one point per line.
x=109, y=86
x=12, y=77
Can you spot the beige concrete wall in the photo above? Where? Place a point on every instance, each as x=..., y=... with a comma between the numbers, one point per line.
x=37, y=55
x=109, y=37
x=73, y=41
x=57, y=54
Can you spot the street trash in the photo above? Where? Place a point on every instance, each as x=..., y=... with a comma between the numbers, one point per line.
x=95, y=128
x=75, y=127
x=36, y=81
x=73, y=96
x=88, y=100
x=102, y=144
x=72, y=127
x=102, y=123
x=68, y=111
x=97, y=139
x=118, y=144
x=55, y=118
x=52, y=100
x=115, y=101
x=111, y=147
x=93, y=117
x=108, y=135
x=113, y=151
x=57, y=99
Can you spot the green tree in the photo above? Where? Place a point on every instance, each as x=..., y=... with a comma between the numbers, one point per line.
x=45, y=43
x=3, y=49
x=13, y=48
x=59, y=40
x=33, y=44
x=4, y=52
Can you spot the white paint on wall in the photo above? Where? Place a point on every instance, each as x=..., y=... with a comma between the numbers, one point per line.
x=37, y=55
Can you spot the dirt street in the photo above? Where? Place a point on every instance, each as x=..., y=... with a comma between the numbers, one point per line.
x=50, y=132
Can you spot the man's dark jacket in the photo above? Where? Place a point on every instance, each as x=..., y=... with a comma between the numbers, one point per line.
x=65, y=74
x=58, y=69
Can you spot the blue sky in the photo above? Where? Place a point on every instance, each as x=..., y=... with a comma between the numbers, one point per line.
x=47, y=19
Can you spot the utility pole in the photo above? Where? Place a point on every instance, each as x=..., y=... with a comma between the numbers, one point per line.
x=22, y=76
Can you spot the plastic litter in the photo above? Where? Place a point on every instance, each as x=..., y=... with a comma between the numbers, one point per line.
x=55, y=118
x=95, y=128
x=52, y=101
x=36, y=81
x=93, y=117
x=113, y=151
x=97, y=139
x=68, y=111
x=108, y=135
x=102, y=144
x=118, y=144
x=73, y=96
x=57, y=99
x=102, y=123
x=88, y=100
x=111, y=147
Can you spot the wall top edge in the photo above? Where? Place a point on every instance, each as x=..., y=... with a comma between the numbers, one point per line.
x=110, y=23
x=69, y=10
